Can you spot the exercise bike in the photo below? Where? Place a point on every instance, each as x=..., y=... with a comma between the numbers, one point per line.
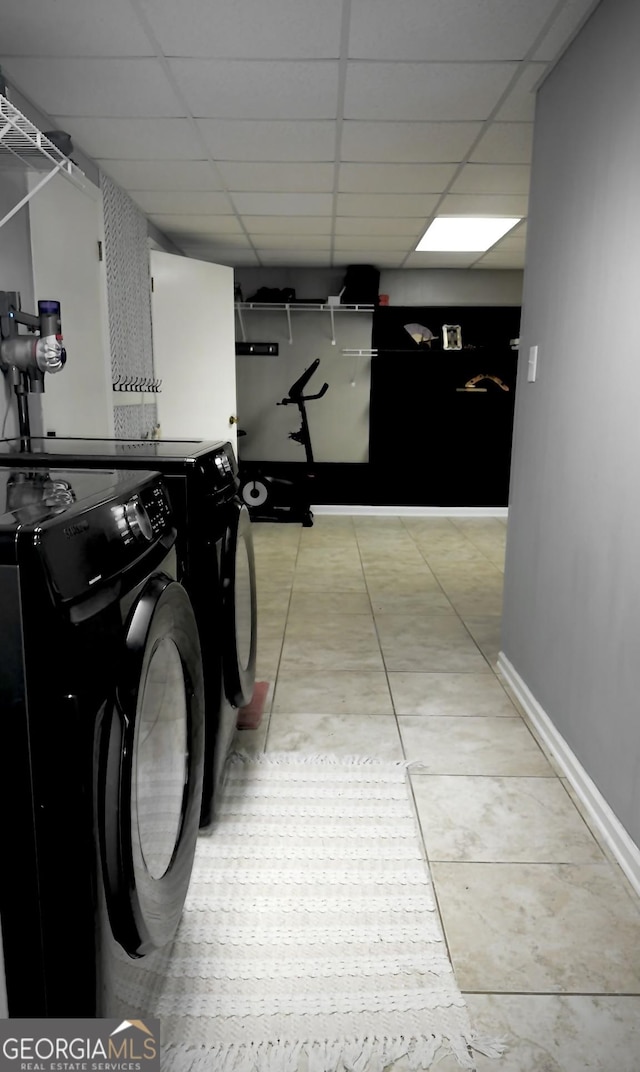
x=271, y=498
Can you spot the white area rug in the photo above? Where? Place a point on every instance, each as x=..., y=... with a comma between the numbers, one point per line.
x=310, y=938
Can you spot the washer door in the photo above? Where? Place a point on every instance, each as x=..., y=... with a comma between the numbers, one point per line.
x=239, y=615
x=150, y=784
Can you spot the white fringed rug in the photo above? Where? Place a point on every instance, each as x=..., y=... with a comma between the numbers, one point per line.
x=310, y=938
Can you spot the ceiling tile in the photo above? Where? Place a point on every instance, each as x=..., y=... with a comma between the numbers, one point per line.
x=177, y=202
x=425, y=91
x=288, y=241
x=246, y=29
x=510, y=245
x=492, y=179
x=72, y=28
x=162, y=174
x=440, y=260
x=196, y=225
x=285, y=177
x=294, y=225
x=390, y=243
x=92, y=87
x=483, y=205
x=135, y=139
x=314, y=258
x=407, y=142
x=505, y=143
x=520, y=105
x=374, y=225
x=245, y=258
x=254, y=89
x=221, y=241
x=446, y=29
x=570, y=19
x=272, y=204
x=381, y=258
x=501, y=260
x=263, y=139
x=388, y=205
x=396, y=178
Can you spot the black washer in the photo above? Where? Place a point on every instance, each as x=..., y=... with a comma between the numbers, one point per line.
x=101, y=740
x=215, y=557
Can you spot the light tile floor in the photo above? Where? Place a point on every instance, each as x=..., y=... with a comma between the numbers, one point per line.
x=380, y=636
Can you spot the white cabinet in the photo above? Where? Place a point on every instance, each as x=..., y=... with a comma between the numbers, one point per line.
x=194, y=347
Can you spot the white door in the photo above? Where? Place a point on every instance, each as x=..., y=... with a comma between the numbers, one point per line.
x=194, y=347
x=66, y=226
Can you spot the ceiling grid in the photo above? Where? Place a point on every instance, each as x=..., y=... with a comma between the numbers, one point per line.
x=300, y=132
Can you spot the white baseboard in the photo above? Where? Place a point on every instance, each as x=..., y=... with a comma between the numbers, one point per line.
x=609, y=827
x=414, y=511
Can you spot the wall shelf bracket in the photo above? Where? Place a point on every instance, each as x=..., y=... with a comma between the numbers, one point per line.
x=288, y=308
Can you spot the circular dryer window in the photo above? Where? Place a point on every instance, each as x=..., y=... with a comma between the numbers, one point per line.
x=161, y=763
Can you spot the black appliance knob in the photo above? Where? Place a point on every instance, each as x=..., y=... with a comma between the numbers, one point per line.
x=138, y=519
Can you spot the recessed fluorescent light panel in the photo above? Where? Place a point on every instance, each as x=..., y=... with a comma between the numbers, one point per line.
x=465, y=234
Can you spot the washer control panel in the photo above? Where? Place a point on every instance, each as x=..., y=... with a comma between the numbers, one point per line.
x=94, y=542
x=144, y=516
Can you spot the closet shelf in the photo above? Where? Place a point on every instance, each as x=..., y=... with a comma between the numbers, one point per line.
x=298, y=307
x=25, y=148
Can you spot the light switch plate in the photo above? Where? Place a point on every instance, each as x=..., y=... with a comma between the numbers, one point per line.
x=532, y=369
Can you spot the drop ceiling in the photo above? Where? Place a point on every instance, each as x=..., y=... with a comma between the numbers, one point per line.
x=300, y=132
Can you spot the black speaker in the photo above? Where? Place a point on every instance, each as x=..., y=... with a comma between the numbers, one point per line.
x=361, y=285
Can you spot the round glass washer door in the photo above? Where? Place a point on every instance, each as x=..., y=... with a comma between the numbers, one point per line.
x=239, y=607
x=151, y=767
x=161, y=758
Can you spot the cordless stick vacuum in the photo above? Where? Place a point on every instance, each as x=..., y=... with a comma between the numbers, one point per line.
x=28, y=356
x=271, y=498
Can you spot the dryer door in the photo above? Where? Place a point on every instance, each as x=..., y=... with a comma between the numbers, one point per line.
x=239, y=622
x=150, y=786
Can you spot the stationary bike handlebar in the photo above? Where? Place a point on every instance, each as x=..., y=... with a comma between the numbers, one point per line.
x=296, y=396
x=303, y=398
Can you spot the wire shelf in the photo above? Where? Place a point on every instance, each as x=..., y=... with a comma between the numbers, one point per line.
x=25, y=148
x=298, y=307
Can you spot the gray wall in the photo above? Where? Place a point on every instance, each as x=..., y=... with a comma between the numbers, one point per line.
x=410, y=286
x=572, y=593
x=15, y=274
x=451, y=286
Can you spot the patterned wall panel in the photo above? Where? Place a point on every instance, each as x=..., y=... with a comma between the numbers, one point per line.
x=135, y=422
x=126, y=253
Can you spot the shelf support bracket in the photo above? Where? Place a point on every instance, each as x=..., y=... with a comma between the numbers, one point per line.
x=288, y=309
x=333, y=326
x=27, y=197
x=242, y=331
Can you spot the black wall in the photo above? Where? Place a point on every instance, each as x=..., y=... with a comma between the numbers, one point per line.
x=433, y=443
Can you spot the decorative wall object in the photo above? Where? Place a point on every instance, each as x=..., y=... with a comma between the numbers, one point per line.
x=126, y=253
x=135, y=422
